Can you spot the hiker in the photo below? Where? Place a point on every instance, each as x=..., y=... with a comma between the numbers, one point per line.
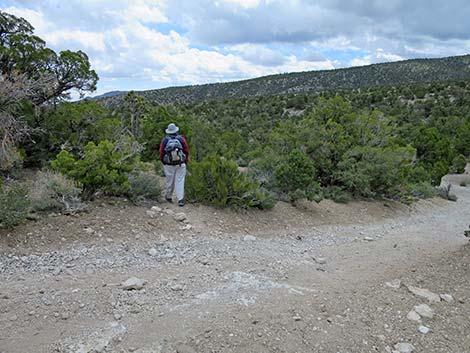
x=174, y=153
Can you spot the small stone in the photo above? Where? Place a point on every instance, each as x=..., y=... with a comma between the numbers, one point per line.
x=404, y=347
x=153, y=252
x=13, y=318
x=447, y=298
x=423, y=329
x=33, y=217
x=424, y=310
x=203, y=261
x=89, y=231
x=180, y=217
x=133, y=283
x=169, y=211
x=425, y=293
x=65, y=316
x=151, y=213
x=413, y=316
x=156, y=209
x=368, y=239
x=57, y=271
x=249, y=238
x=320, y=260
x=395, y=284
x=117, y=316
x=297, y=318
x=176, y=287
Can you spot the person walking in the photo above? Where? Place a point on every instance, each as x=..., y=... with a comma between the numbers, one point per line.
x=174, y=154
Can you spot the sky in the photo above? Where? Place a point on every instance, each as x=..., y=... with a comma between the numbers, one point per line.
x=148, y=44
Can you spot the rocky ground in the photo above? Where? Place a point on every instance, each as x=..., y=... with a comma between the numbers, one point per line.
x=362, y=277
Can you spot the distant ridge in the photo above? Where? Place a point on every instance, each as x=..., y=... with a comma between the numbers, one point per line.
x=454, y=68
x=109, y=94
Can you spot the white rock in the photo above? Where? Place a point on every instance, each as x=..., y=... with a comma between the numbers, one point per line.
x=180, y=217
x=187, y=227
x=424, y=310
x=395, y=284
x=413, y=316
x=249, y=238
x=176, y=287
x=88, y=231
x=151, y=213
x=133, y=283
x=153, y=252
x=169, y=211
x=424, y=329
x=156, y=209
x=404, y=347
x=368, y=239
x=320, y=260
x=425, y=293
x=447, y=297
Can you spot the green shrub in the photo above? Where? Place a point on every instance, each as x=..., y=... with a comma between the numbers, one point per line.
x=295, y=177
x=458, y=164
x=217, y=181
x=371, y=171
x=144, y=185
x=104, y=167
x=54, y=191
x=337, y=194
x=262, y=167
x=423, y=190
x=14, y=204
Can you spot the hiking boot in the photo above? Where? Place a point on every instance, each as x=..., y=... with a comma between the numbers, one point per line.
x=181, y=203
x=169, y=199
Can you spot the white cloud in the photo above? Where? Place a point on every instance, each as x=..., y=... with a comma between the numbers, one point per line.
x=244, y=3
x=259, y=54
x=377, y=57
x=88, y=40
x=36, y=18
x=142, y=11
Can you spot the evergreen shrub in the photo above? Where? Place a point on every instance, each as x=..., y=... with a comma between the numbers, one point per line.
x=217, y=181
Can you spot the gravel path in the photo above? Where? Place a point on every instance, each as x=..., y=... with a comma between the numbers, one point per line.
x=315, y=287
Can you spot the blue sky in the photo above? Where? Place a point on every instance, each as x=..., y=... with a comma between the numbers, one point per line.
x=145, y=44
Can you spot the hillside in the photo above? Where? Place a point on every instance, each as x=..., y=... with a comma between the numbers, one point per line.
x=455, y=68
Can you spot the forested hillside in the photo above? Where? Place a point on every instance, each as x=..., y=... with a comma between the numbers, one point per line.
x=454, y=68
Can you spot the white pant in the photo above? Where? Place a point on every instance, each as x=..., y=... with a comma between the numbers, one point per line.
x=175, y=175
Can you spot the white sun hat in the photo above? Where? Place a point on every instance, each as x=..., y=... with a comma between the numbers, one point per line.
x=172, y=129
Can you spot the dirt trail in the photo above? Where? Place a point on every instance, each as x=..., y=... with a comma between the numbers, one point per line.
x=290, y=280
